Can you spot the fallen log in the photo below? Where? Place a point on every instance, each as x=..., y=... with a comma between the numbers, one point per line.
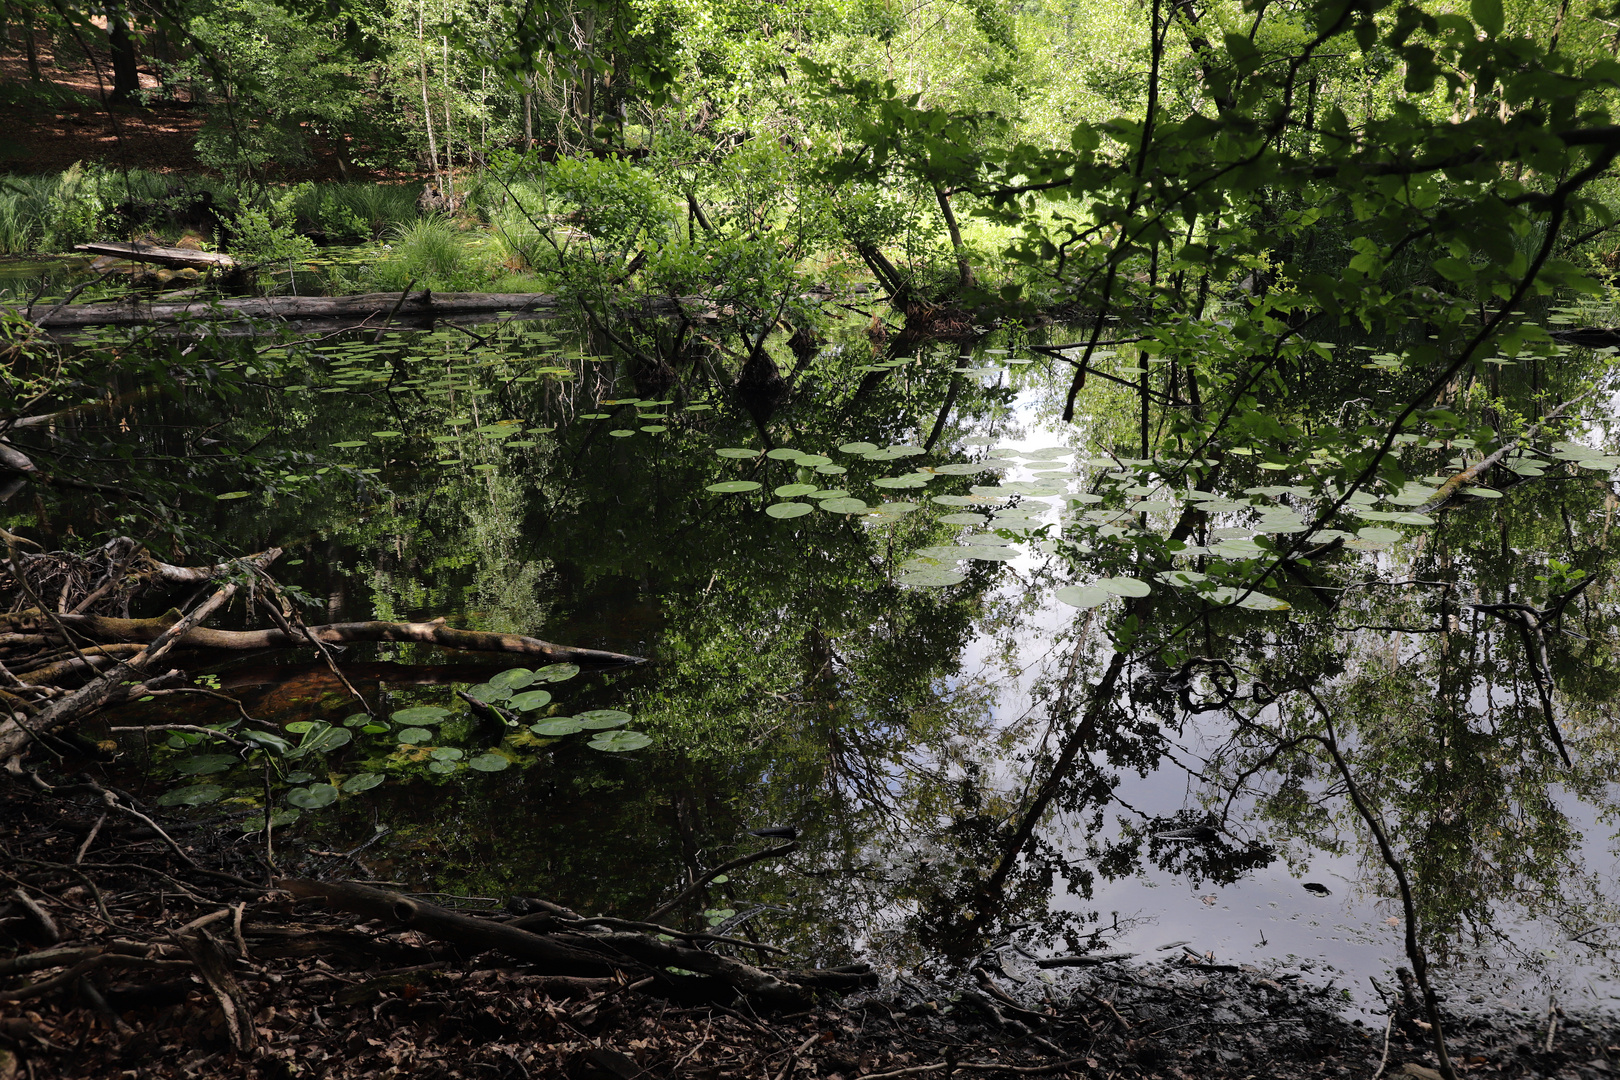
x=420, y=305
x=108, y=629
x=571, y=949
x=161, y=256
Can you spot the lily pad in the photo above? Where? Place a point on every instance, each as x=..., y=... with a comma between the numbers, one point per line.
x=910, y=480
x=1082, y=596
x=205, y=764
x=530, y=700
x=414, y=736
x=556, y=672
x=361, y=782
x=857, y=448
x=313, y=797
x=731, y=487
x=782, y=453
x=1377, y=536
x=788, y=509
x=426, y=714
x=1124, y=586
x=619, y=742
x=895, y=509
x=603, y=719
x=196, y=795
x=930, y=578
x=738, y=453
x=512, y=679
x=793, y=491
x=557, y=727
x=963, y=519
x=490, y=763
x=843, y=506
x=487, y=692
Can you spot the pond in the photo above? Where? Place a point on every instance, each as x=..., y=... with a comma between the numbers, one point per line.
x=882, y=600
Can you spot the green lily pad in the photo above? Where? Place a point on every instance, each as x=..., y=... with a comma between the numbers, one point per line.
x=1124, y=586
x=910, y=480
x=738, y=453
x=361, y=782
x=843, y=506
x=415, y=736
x=490, y=762
x=351, y=444
x=1378, y=536
x=313, y=797
x=1082, y=596
x=512, y=679
x=817, y=461
x=530, y=700
x=963, y=519
x=930, y=578
x=556, y=672
x=557, y=727
x=232, y=495
x=448, y=753
x=793, y=491
x=829, y=493
x=731, y=487
x=788, y=509
x=205, y=764
x=603, y=719
x=488, y=693
x=196, y=795
x=895, y=509
x=619, y=742
x=782, y=453
x=425, y=714
x=857, y=448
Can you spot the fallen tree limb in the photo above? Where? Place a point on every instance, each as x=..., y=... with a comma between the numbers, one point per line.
x=108, y=629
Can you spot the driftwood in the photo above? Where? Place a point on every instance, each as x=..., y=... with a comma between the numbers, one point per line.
x=106, y=629
x=570, y=945
x=162, y=256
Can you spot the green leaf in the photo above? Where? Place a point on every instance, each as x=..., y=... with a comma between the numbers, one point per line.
x=490, y=762
x=732, y=487
x=556, y=672
x=930, y=578
x=793, y=491
x=1082, y=596
x=487, y=693
x=788, y=509
x=233, y=495
x=512, y=679
x=1487, y=15
x=782, y=453
x=843, y=506
x=602, y=719
x=205, y=764
x=557, y=727
x=361, y=782
x=322, y=740
x=268, y=741
x=737, y=453
x=313, y=797
x=196, y=795
x=530, y=700
x=618, y=742
x=1124, y=586
x=425, y=714
x=414, y=736
x=857, y=448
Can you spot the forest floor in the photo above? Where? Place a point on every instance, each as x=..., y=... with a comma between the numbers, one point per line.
x=176, y=970
x=62, y=119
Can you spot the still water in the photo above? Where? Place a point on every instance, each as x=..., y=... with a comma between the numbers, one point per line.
x=879, y=595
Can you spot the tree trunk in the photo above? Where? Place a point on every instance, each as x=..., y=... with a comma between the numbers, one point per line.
x=126, y=76
x=962, y=266
x=30, y=47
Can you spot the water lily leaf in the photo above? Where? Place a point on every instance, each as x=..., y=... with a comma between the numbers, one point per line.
x=990, y=538
x=488, y=693
x=414, y=736
x=1124, y=586
x=268, y=741
x=731, y=487
x=1083, y=497
x=621, y=433
x=557, y=727
x=556, y=672
x=313, y=797
x=358, y=720
x=910, y=480
x=512, y=679
x=968, y=468
x=299, y=727
x=843, y=506
x=816, y=461
x=1253, y=601
x=831, y=470
x=738, y=453
x=782, y=453
x=944, y=552
x=1082, y=596
x=443, y=768
x=359, y=782
x=490, y=762
x=829, y=493
x=529, y=700
x=602, y=719
x=447, y=753
x=793, y=491
x=619, y=742
x=963, y=519
x=895, y=509
x=788, y=509
x=424, y=714
x=904, y=451
x=1223, y=506
x=651, y=429
x=195, y=795
x=1377, y=536
x=1238, y=548
x=930, y=578
x=1181, y=579
x=205, y=764
x=1412, y=518
x=857, y=448
x=232, y=495
x=322, y=740
x=988, y=553
x=350, y=444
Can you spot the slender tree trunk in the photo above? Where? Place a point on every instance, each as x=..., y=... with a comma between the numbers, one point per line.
x=427, y=107
x=29, y=45
x=126, y=75
x=528, y=111
x=963, y=268
x=449, y=130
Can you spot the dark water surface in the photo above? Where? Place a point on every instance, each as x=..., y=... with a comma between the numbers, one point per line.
x=869, y=677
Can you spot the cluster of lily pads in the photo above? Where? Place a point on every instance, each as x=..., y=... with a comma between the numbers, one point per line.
x=647, y=409
x=414, y=739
